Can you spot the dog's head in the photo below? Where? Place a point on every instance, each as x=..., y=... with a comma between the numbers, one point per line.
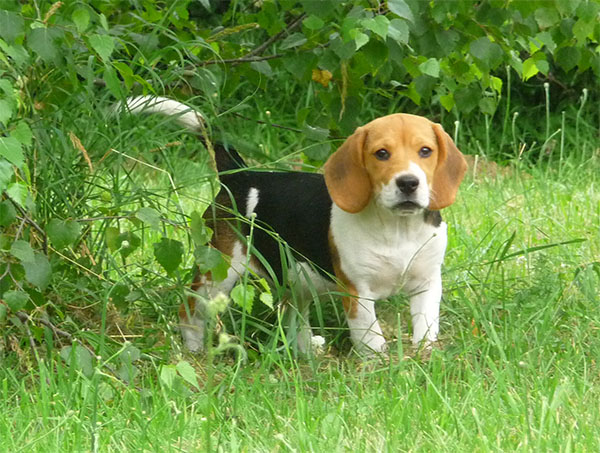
x=405, y=163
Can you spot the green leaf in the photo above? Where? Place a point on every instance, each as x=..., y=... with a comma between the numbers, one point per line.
x=315, y=133
x=112, y=81
x=567, y=57
x=103, y=45
x=11, y=150
x=447, y=101
x=188, y=373
x=103, y=21
x=200, y=233
x=11, y=25
x=398, y=31
x=150, y=216
x=529, y=68
x=23, y=251
x=127, y=372
x=487, y=52
x=583, y=30
x=6, y=173
x=344, y=50
x=126, y=243
x=118, y=295
x=81, y=19
x=378, y=25
x=401, y=9
x=487, y=106
x=546, y=17
x=38, y=272
x=3, y=311
x=206, y=258
x=317, y=151
x=78, y=357
x=6, y=111
x=130, y=354
x=496, y=84
x=16, y=300
x=20, y=56
x=467, y=98
x=126, y=73
x=206, y=4
x=267, y=299
x=169, y=253
x=8, y=214
x=243, y=295
x=23, y=133
x=431, y=67
x=265, y=296
x=359, y=38
x=168, y=374
x=63, y=233
x=43, y=42
x=18, y=193
x=293, y=40
x=111, y=235
x=313, y=23
x=263, y=67
x=220, y=270
x=7, y=88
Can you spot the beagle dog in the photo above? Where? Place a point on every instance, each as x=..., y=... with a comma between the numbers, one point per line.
x=370, y=226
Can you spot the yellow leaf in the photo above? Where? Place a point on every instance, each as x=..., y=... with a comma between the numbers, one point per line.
x=322, y=76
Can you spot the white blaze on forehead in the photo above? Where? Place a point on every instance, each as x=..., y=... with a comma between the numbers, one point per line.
x=389, y=195
x=251, y=201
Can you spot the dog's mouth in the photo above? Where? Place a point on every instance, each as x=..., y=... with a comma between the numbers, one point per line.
x=407, y=206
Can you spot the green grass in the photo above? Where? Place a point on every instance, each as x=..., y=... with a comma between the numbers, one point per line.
x=517, y=369
x=517, y=366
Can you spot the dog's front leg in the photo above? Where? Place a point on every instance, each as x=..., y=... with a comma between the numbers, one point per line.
x=425, y=309
x=365, y=330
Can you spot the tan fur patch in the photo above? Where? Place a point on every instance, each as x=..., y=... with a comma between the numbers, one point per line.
x=350, y=301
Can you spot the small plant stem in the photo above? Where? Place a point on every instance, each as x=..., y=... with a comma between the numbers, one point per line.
x=456, y=129
x=562, y=144
x=245, y=278
x=487, y=134
x=547, y=91
x=583, y=98
x=507, y=108
x=514, y=132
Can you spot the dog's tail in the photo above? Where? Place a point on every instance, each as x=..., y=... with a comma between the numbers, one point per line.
x=225, y=158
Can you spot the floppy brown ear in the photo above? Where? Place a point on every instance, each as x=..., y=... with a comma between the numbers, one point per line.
x=451, y=168
x=347, y=179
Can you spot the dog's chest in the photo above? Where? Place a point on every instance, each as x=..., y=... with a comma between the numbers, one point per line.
x=382, y=258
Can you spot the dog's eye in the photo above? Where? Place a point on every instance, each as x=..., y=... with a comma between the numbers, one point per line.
x=425, y=151
x=382, y=154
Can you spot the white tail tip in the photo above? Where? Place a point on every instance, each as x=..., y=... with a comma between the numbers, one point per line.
x=184, y=115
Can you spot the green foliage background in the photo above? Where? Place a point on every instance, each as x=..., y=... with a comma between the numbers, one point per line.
x=77, y=221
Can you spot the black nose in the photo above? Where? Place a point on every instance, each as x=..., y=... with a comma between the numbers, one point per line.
x=407, y=184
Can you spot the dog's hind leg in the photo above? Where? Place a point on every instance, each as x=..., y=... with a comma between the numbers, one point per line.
x=306, y=286
x=199, y=313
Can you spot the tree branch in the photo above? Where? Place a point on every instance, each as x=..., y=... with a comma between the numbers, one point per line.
x=264, y=46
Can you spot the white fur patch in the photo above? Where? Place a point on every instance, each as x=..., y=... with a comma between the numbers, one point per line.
x=251, y=201
x=382, y=253
x=390, y=195
x=186, y=116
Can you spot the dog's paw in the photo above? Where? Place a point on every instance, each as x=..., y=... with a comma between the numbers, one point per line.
x=317, y=344
x=371, y=345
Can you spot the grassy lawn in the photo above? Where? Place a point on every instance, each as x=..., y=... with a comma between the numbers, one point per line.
x=516, y=370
